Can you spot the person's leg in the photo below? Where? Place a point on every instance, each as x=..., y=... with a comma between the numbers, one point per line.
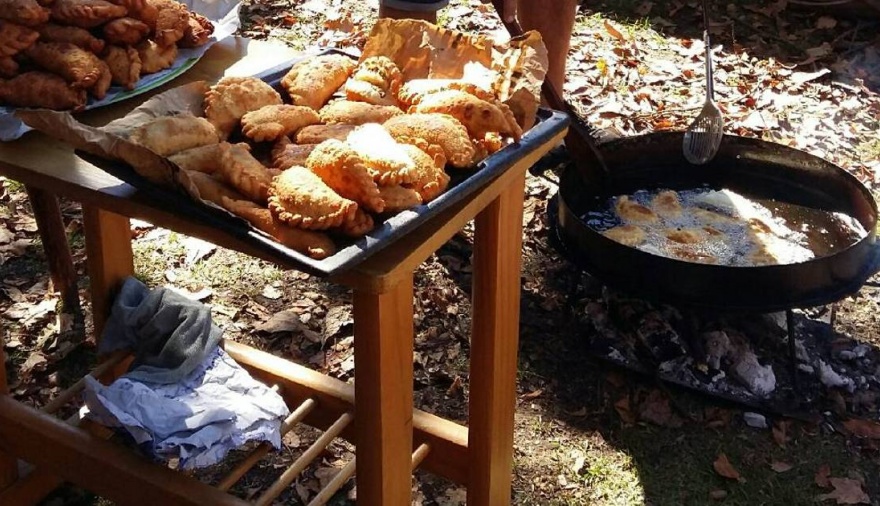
x=411, y=9
x=555, y=21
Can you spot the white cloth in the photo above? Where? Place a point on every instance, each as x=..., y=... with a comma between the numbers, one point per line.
x=216, y=408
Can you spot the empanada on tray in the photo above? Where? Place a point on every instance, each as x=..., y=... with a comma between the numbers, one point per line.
x=298, y=213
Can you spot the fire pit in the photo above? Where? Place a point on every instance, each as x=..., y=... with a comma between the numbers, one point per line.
x=748, y=166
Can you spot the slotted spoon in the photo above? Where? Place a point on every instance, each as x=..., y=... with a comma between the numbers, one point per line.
x=703, y=136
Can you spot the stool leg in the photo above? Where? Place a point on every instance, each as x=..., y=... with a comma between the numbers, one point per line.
x=494, y=347
x=54, y=237
x=383, y=358
x=110, y=260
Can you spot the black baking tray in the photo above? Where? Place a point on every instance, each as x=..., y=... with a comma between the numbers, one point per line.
x=350, y=252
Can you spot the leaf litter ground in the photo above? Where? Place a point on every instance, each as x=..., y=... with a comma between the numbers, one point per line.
x=585, y=433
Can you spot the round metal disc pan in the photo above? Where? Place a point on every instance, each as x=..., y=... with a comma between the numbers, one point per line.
x=749, y=166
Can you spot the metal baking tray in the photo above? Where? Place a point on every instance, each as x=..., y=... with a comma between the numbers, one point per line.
x=350, y=252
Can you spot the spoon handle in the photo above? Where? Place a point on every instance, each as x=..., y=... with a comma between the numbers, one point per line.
x=710, y=89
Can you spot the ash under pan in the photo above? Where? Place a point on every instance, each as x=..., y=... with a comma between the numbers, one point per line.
x=750, y=166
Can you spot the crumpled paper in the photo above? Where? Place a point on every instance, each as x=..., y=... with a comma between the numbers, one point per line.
x=224, y=15
x=514, y=71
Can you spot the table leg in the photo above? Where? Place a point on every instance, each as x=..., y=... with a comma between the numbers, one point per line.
x=54, y=238
x=109, y=257
x=494, y=346
x=383, y=346
x=8, y=463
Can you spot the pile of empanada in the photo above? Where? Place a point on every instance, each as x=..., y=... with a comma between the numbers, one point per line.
x=329, y=168
x=54, y=54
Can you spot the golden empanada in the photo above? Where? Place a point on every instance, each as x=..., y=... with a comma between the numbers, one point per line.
x=312, y=81
x=338, y=165
x=270, y=122
x=301, y=199
x=233, y=97
x=171, y=134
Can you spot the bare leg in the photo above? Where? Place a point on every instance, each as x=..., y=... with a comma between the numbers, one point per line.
x=555, y=21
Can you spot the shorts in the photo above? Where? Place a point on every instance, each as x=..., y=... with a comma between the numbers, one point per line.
x=415, y=5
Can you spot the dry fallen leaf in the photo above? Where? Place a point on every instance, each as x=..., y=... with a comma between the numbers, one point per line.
x=623, y=409
x=780, y=432
x=533, y=394
x=284, y=321
x=822, y=475
x=724, y=468
x=863, y=428
x=271, y=292
x=846, y=491
x=614, y=31
x=826, y=22
x=780, y=467
x=655, y=409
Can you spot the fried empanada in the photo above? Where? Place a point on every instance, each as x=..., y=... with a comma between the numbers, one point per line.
x=148, y=13
x=99, y=89
x=210, y=188
x=412, y=91
x=432, y=179
x=376, y=80
x=86, y=13
x=361, y=91
x=397, y=198
x=316, y=134
x=477, y=115
x=338, y=165
x=50, y=32
x=41, y=89
x=312, y=81
x=628, y=235
x=666, y=204
x=125, y=31
x=357, y=113
x=125, y=65
x=301, y=199
x=359, y=226
x=241, y=170
x=270, y=122
x=155, y=57
x=81, y=68
x=8, y=67
x=287, y=154
x=15, y=38
x=172, y=134
x=198, y=30
x=201, y=159
x=439, y=129
x=315, y=244
x=387, y=160
x=171, y=23
x=23, y=12
x=131, y=5
x=233, y=97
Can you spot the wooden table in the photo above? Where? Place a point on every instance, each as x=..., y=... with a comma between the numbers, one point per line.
x=385, y=428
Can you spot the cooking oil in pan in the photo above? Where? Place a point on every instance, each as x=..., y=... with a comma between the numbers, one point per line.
x=723, y=227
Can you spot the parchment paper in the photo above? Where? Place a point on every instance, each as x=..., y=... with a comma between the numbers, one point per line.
x=514, y=71
x=224, y=15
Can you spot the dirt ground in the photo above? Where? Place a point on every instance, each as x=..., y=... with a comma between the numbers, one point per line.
x=586, y=432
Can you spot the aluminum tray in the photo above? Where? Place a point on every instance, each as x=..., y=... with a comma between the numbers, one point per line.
x=351, y=252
